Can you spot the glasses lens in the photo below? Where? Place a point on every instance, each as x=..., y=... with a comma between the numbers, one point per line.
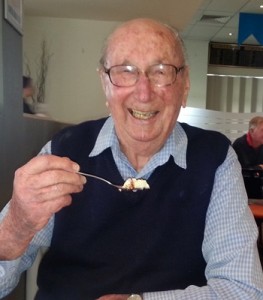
x=123, y=76
x=161, y=74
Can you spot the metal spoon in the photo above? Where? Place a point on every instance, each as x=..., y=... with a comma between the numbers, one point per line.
x=119, y=187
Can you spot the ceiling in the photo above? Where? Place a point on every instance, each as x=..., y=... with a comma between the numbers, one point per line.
x=225, y=20
x=209, y=20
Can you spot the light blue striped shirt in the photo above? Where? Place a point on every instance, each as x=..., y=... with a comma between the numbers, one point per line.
x=229, y=247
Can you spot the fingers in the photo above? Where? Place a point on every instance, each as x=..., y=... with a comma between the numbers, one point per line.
x=42, y=187
x=49, y=175
x=52, y=183
x=57, y=190
x=49, y=162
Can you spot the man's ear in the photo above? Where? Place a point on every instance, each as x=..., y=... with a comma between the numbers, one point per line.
x=102, y=79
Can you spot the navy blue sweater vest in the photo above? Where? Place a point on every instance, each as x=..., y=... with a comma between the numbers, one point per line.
x=127, y=242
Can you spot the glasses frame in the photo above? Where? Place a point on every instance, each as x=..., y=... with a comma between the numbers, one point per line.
x=177, y=70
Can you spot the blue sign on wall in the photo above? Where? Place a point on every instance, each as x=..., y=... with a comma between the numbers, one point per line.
x=250, y=24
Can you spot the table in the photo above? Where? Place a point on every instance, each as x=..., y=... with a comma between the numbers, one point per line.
x=257, y=210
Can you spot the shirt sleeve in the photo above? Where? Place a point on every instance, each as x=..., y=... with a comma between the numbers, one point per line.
x=229, y=247
x=10, y=271
x=233, y=268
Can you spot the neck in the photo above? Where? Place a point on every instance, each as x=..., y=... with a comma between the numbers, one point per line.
x=139, y=153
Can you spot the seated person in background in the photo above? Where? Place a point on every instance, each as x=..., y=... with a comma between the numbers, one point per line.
x=28, y=92
x=249, y=147
x=190, y=236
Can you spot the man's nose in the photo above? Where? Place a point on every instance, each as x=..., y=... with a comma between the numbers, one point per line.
x=143, y=88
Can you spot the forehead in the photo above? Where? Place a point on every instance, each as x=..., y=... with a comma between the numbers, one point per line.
x=143, y=42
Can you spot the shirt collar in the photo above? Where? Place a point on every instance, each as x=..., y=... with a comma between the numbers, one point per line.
x=175, y=145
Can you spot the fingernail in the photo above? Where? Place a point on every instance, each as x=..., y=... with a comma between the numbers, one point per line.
x=76, y=167
x=84, y=179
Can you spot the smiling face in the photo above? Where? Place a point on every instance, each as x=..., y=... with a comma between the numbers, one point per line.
x=144, y=113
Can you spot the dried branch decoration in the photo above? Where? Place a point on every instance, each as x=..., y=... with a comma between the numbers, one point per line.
x=41, y=73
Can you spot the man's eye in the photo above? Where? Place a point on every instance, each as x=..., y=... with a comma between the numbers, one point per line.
x=159, y=73
x=127, y=71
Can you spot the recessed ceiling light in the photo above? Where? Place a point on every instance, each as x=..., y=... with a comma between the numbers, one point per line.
x=261, y=6
x=230, y=33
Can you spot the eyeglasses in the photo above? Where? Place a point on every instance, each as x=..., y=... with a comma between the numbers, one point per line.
x=159, y=75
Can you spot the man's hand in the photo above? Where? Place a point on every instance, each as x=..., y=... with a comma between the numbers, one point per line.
x=41, y=188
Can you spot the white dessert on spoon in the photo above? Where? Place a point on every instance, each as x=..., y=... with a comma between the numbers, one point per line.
x=135, y=184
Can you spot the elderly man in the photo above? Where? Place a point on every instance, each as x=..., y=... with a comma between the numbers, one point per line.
x=190, y=236
x=249, y=147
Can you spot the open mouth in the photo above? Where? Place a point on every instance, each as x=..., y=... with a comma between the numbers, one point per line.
x=142, y=115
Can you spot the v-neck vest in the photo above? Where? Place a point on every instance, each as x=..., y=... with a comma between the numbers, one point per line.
x=111, y=242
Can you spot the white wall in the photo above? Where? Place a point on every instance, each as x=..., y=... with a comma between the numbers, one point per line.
x=198, y=61
x=235, y=89
x=73, y=91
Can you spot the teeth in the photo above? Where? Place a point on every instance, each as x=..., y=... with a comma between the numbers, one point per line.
x=142, y=115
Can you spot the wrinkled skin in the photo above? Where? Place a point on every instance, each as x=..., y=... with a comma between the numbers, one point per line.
x=144, y=114
x=41, y=188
